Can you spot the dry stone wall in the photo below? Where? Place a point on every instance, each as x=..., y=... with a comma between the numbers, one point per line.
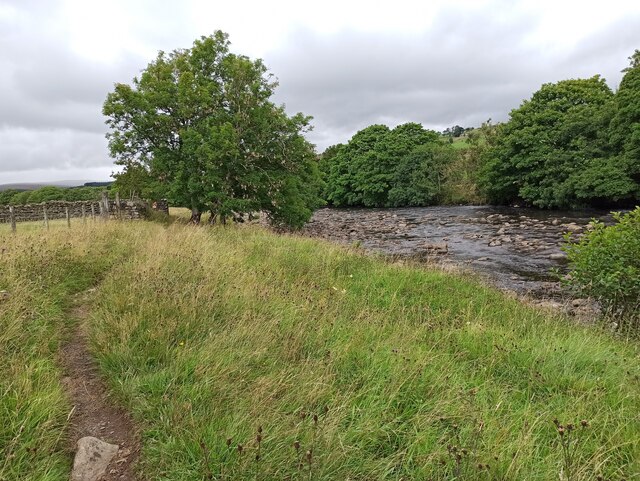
x=129, y=210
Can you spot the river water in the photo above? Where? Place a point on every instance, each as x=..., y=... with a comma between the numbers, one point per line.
x=513, y=248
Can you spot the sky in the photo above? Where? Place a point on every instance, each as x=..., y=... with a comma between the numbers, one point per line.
x=349, y=64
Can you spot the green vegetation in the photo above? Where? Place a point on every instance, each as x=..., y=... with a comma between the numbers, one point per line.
x=38, y=277
x=380, y=167
x=382, y=371
x=574, y=143
x=198, y=125
x=44, y=194
x=605, y=265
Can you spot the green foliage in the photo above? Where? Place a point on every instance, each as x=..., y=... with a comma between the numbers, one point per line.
x=462, y=173
x=541, y=154
x=419, y=176
x=605, y=265
x=45, y=194
x=625, y=125
x=573, y=143
x=380, y=167
x=200, y=122
x=137, y=181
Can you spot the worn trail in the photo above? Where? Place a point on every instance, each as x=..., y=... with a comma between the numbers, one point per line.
x=94, y=413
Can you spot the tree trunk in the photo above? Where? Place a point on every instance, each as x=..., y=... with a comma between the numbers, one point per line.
x=195, y=216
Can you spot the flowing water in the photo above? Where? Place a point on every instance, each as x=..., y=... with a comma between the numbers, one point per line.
x=514, y=248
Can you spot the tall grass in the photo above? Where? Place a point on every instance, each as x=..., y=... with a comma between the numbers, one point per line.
x=38, y=276
x=353, y=367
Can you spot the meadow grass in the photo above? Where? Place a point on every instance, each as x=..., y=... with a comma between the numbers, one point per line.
x=412, y=374
x=38, y=276
x=322, y=362
x=38, y=226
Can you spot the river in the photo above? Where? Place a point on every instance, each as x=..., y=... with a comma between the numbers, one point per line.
x=513, y=248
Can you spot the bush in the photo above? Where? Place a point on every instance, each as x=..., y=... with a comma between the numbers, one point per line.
x=605, y=265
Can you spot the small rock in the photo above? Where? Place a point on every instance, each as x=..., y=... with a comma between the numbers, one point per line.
x=92, y=458
x=555, y=222
x=482, y=259
x=4, y=295
x=557, y=256
x=552, y=305
x=501, y=231
x=437, y=248
x=495, y=243
x=572, y=227
x=582, y=302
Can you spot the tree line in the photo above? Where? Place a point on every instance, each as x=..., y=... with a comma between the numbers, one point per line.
x=575, y=143
x=199, y=128
x=45, y=194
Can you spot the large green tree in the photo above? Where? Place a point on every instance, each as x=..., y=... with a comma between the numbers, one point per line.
x=365, y=171
x=542, y=153
x=201, y=122
x=625, y=128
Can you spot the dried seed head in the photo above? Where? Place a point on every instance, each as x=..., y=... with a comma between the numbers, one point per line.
x=303, y=415
x=315, y=419
x=259, y=438
x=257, y=457
x=309, y=456
x=229, y=440
x=570, y=427
x=561, y=430
x=240, y=448
x=297, y=445
x=259, y=429
x=556, y=422
x=584, y=423
x=326, y=409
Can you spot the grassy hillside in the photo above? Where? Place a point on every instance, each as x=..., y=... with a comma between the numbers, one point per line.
x=376, y=371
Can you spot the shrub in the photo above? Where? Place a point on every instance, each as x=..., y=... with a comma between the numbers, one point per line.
x=605, y=265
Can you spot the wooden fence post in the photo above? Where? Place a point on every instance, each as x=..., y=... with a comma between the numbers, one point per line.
x=93, y=212
x=118, y=209
x=105, y=205
x=66, y=213
x=12, y=215
x=84, y=214
x=46, y=217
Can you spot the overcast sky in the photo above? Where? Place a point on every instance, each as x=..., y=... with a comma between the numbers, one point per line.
x=349, y=64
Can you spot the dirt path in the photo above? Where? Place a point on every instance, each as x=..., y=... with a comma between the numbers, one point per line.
x=94, y=413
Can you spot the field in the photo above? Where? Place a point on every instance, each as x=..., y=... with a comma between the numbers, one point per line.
x=247, y=355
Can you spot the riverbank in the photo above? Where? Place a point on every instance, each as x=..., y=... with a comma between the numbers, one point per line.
x=318, y=361
x=515, y=249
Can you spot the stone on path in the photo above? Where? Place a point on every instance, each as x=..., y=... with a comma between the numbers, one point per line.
x=92, y=458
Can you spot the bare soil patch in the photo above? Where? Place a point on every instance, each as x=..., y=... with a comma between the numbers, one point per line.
x=94, y=412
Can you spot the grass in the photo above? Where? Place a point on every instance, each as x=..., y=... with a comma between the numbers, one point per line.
x=38, y=277
x=39, y=225
x=377, y=371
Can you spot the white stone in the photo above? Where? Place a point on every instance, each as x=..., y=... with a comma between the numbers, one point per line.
x=92, y=458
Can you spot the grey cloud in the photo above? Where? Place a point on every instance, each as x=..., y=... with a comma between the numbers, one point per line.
x=466, y=69
x=26, y=149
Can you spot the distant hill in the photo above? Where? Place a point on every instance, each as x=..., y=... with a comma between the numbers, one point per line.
x=58, y=183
